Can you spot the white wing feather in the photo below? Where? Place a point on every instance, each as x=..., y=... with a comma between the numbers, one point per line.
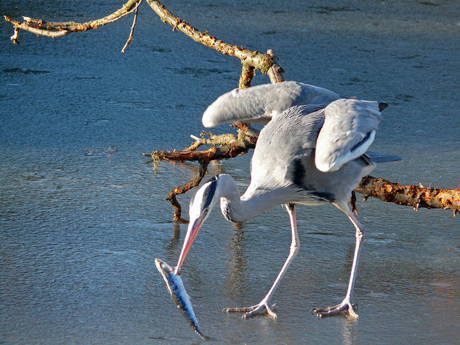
x=259, y=104
x=348, y=131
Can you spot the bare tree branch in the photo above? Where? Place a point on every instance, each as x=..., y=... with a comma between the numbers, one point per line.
x=59, y=29
x=415, y=196
x=227, y=145
x=249, y=58
x=411, y=195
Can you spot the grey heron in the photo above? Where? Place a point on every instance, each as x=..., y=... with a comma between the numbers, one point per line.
x=312, y=151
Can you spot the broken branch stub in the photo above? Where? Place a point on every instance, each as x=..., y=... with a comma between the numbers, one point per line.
x=275, y=73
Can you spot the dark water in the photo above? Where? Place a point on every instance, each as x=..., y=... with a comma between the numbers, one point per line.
x=83, y=216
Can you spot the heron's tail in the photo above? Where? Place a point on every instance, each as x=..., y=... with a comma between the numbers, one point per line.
x=378, y=157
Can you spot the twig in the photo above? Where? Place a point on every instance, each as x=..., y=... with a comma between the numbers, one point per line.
x=228, y=147
x=184, y=188
x=215, y=140
x=130, y=38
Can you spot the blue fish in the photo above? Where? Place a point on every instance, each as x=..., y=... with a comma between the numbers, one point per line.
x=179, y=295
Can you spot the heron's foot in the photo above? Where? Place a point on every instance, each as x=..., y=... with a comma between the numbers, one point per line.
x=344, y=308
x=260, y=308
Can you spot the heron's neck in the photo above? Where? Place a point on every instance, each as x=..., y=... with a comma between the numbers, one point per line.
x=236, y=208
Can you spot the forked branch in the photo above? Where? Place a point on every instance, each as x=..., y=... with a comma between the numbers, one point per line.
x=59, y=29
x=223, y=147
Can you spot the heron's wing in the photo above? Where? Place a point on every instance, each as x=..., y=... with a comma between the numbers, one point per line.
x=348, y=131
x=259, y=104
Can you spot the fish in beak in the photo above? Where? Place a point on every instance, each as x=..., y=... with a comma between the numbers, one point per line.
x=180, y=297
x=200, y=206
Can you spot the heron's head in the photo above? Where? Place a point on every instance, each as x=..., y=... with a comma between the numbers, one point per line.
x=200, y=206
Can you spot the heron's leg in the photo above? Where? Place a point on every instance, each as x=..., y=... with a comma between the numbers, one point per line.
x=346, y=307
x=264, y=305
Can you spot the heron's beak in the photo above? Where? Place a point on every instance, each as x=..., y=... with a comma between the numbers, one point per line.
x=192, y=231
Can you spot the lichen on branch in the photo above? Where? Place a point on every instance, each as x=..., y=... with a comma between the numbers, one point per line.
x=411, y=195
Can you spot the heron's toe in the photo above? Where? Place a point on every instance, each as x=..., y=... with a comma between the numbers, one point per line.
x=254, y=310
x=260, y=309
x=344, y=308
